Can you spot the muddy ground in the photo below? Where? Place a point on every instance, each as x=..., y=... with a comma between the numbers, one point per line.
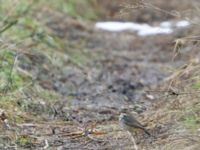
x=105, y=73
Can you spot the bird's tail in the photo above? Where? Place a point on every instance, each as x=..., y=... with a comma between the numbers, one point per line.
x=147, y=132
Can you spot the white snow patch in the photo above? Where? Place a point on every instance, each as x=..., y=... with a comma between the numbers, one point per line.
x=166, y=24
x=154, y=31
x=119, y=26
x=183, y=23
x=165, y=27
x=142, y=29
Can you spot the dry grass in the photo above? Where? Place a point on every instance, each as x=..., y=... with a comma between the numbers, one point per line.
x=176, y=121
x=178, y=115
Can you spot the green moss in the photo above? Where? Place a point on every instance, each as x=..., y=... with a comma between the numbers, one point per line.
x=196, y=85
x=18, y=119
x=192, y=122
x=79, y=57
x=10, y=79
x=23, y=7
x=81, y=9
x=191, y=119
x=69, y=8
x=25, y=141
x=27, y=28
x=7, y=102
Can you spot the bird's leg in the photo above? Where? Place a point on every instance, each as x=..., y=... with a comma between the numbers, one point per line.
x=133, y=140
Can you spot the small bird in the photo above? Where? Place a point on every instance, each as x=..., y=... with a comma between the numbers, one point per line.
x=129, y=123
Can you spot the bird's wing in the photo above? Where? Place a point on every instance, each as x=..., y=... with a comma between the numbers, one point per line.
x=131, y=121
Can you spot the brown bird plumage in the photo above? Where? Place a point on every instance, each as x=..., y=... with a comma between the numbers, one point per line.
x=128, y=122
